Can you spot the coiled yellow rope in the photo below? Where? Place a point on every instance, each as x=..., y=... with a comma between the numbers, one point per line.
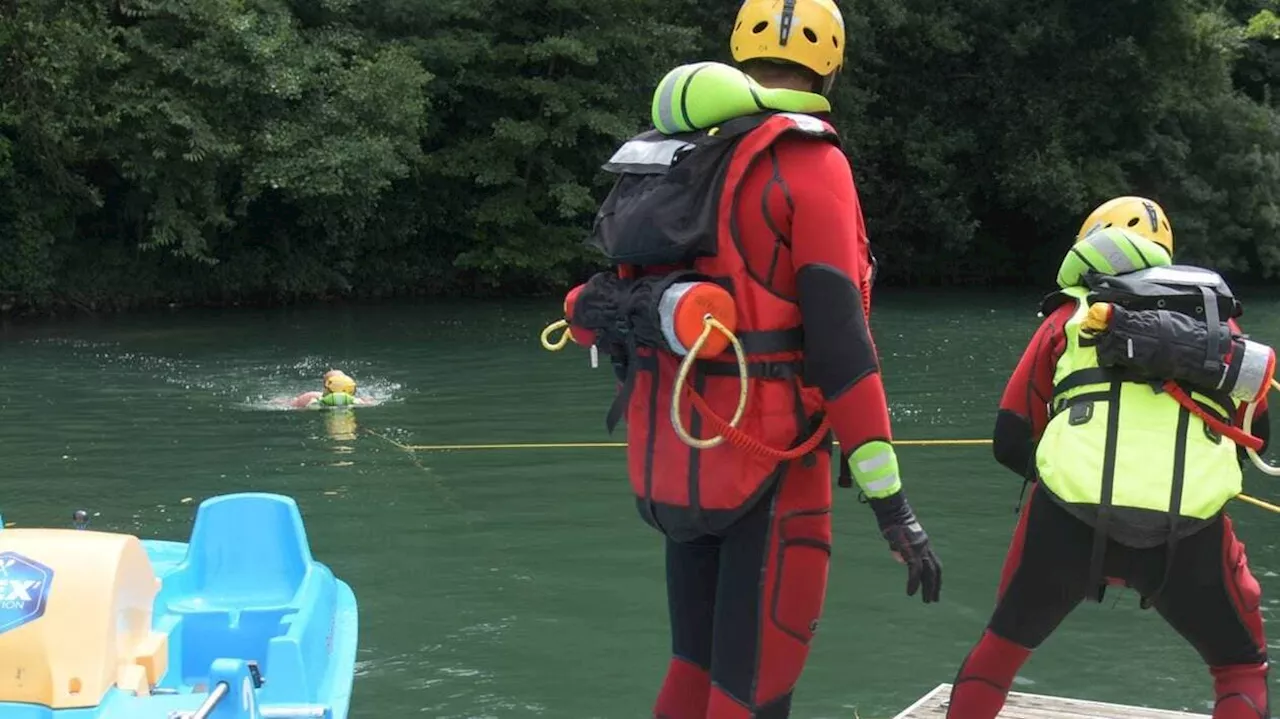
x=709, y=324
x=559, y=344
x=1259, y=462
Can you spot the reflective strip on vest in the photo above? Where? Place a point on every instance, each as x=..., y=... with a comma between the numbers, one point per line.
x=807, y=123
x=1133, y=437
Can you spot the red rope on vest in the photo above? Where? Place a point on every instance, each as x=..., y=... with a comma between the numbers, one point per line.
x=1235, y=434
x=742, y=440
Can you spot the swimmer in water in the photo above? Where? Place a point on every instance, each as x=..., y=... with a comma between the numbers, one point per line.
x=339, y=391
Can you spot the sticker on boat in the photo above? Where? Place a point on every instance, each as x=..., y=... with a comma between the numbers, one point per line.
x=24, y=589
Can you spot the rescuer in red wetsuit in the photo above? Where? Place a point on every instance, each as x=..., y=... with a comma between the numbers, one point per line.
x=769, y=201
x=1204, y=590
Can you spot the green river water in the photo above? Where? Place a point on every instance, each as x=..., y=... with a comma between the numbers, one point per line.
x=518, y=583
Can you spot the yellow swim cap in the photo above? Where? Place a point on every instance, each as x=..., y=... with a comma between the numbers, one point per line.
x=337, y=381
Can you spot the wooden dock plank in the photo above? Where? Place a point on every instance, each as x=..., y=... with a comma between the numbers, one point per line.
x=1038, y=706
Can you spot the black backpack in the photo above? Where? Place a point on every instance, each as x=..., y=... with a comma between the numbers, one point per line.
x=1194, y=291
x=663, y=208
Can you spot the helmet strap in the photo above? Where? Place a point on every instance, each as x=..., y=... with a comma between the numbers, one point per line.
x=829, y=82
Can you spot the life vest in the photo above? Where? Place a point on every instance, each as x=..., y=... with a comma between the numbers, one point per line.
x=1144, y=393
x=1124, y=447
x=671, y=221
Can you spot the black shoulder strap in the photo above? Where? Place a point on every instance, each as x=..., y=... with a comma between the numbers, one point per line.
x=1054, y=300
x=739, y=126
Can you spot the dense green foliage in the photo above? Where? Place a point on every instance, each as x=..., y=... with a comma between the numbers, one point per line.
x=215, y=151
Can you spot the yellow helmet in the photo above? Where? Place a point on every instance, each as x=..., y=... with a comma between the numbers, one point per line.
x=806, y=32
x=337, y=381
x=1135, y=214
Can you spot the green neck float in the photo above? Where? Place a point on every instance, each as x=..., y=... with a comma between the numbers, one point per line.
x=1113, y=251
x=337, y=399
x=705, y=94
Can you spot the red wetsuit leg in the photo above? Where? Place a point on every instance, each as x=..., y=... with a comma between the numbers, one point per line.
x=773, y=580
x=1013, y=557
x=1241, y=688
x=1046, y=577
x=1212, y=599
x=693, y=569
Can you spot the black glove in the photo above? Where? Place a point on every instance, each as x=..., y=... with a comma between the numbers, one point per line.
x=898, y=524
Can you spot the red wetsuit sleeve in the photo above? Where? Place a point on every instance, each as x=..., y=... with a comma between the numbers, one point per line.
x=831, y=260
x=1024, y=407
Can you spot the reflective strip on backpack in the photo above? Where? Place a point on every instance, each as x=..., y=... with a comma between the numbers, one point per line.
x=1181, y=275
x=646, y=157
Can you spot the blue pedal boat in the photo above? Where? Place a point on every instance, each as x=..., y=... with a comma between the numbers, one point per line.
x=240, y=622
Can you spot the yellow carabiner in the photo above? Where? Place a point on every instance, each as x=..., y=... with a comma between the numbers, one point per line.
x=1259, y=462
x=559, y=344
x=709, y=323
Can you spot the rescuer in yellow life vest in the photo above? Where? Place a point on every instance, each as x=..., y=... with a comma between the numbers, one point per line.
x=1121, y=413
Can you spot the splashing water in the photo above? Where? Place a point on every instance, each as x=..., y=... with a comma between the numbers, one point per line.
x=275, y=385
x=249, y=384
